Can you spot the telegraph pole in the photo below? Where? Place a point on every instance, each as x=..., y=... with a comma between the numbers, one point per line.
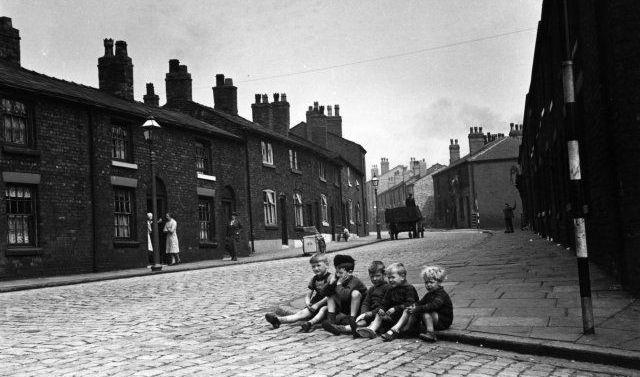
x=575, y=176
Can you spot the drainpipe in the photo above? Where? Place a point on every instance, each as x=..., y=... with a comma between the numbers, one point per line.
x=246, y=165
x=91, y=151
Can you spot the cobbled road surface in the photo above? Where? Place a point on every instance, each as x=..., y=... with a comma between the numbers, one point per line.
x=211, y=322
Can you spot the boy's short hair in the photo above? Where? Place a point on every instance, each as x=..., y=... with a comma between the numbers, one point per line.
x=344, y=261
x=436, y=273
x=397, y=267
x=375, y=267
x=317, y=258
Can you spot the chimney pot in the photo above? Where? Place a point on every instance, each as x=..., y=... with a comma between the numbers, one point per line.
x=450, y=141
x=265, y=98
x=310, y=108
x=150, y=89
x=228, y=82
x=511, y=125
x=456, y=141
x=470, y=130
x=480, y=130
x=336, y=109
x=276, y=97
x=329, y=111
x=108, y=47
x=219, y=79
x=283, y=97
x=174, y=65
x=257, y=98
x=315, y=106
x=121, y=48
x=322, y=110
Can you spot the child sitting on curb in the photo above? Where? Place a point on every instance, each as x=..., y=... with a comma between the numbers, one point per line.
x=435, y=309
x=372, y=300
x=345, y=293
x=399, y=296
x=315, y=300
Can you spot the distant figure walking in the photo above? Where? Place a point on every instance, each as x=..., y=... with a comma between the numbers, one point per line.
x=410, y=202
x=233, y=232
x=173, y=248
x=508, y=216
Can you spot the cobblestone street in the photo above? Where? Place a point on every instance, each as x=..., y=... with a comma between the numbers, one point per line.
x=211, y=322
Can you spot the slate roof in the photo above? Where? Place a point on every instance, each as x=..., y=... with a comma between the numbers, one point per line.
x=504, y=148
x=264, y=131
x=16, y=77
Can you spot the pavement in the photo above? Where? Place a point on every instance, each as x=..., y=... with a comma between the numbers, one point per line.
x=515, y=292
x=54, y=281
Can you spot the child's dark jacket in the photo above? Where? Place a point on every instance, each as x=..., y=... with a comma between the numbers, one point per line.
x=374, y=298
x=437, y=301
x=319, y=286
x=400, y=297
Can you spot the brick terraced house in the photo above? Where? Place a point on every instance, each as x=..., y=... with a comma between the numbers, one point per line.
x=604, y=47
x=75, y=169
x=479, y=183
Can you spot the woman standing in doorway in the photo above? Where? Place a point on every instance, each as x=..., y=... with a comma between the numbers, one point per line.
x=173, y=248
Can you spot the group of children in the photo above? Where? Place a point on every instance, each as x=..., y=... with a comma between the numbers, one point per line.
x=391, y=307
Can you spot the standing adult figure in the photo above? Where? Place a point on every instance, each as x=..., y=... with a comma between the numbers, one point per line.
x=149, y=242
x=409, y=201
x=508, y=216
x=173, y=248
x=233, y=232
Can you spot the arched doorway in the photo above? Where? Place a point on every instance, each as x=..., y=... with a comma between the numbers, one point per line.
x=161, y=200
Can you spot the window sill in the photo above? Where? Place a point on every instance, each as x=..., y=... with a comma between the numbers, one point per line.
x=126, y=243
x=25, y=151
x=207, y=177
x=271, y=227
x=124, y=164
x=323, y=180
x=208, y=244
x=23, y=251
x=324, y=223
x=268, y=165
x=296, y=171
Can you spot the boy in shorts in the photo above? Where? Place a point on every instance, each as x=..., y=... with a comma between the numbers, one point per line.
x=399, y=296
x=315, y=301
x=345, y=293
x=372, y=300
x=435, y=309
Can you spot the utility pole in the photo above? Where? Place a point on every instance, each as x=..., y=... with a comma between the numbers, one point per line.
x=577, y=205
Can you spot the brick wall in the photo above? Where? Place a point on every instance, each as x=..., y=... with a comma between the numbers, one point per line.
x=493, y=187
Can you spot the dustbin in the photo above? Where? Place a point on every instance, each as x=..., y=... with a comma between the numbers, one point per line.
x=312, y=241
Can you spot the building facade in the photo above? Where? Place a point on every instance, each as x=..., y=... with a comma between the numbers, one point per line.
x=76, y=170
x=605, y=62
x=478, y=185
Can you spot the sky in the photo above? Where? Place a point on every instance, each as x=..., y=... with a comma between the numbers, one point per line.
x=408, y=75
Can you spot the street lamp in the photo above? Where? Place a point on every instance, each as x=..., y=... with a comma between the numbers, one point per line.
x=149, y=126
x=374, y=182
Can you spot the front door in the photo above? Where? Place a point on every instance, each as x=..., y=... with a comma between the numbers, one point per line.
x=283, y=220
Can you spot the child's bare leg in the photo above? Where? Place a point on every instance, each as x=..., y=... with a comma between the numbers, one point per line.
x=331, y=309
x=429, y=320
x=404, y=319
x=356, y=299
x=295, y=317
x=319, y=315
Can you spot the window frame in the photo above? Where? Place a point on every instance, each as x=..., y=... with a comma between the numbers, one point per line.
x=267, y=153
x=324, y=210
x=269, y=208
x=210, y=223
x=349, y=176
x=27, y=116
x=298, y=210
x=206, y=156
x=293, y=160
x=350, y=210
x=127, y=140
x=357, y=212
x=131, y=226
x=322, y=171
x=32, y=215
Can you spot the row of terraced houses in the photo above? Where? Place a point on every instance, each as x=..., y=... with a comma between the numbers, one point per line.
x=76, y=168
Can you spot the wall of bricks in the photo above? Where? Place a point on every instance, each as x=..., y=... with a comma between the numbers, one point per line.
x=605, y=62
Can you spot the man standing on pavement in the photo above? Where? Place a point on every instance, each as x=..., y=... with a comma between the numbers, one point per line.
x=233, y=232
x=508, y=216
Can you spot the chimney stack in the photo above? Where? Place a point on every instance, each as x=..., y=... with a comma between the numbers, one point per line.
x=9, y=42
x=374, y=171
x=317, y=125
x=151, y=98
x=454, y=151
x=261, y=111
x=334, y=122
x=476, y=140
x=115, y=72
x=177, y=84
x=280, y=114
x=225, y=95
x=384, y=165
